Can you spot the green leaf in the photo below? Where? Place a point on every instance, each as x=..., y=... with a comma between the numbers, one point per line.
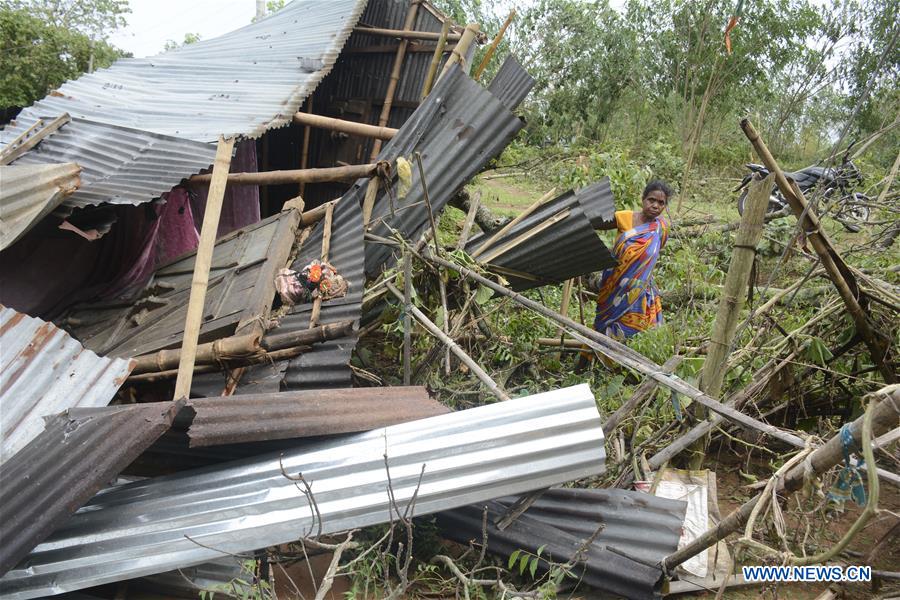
x=818, y=352
x=512, y=558
x=440, y=317
x=483, y=294
x=541, y=549
x=523, y=562
x=534, y=566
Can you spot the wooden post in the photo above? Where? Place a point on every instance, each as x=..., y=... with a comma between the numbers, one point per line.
x=503, y=230
x=345, y=173
x=369, y=202
x=474, y=203
x=407, y=322
x=304, y=151
x=459, y=53
x=884, y=417
x=201, y=267
x=435, y=59
x=31, y=138
x=395, y=75
x=349, y=127
x=625, y=356
x=405, y=34
x=493, y=47
x=326, y=248
x=834, y=265
x=489, y=383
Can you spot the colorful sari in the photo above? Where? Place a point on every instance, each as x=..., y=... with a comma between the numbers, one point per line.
x=628, y=302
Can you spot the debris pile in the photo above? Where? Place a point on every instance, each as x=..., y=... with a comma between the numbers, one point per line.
x=195, y=383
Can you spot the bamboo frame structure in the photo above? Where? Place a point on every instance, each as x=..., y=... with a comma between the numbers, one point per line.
x=462, y=46
x=30, y=138
x=200, y=280
x=344, y=126
x=326, y=249
x=835, y=267
x=503, y=230
x=435, y=60
x=406, y=34
x=493, y=47
x=345, y=173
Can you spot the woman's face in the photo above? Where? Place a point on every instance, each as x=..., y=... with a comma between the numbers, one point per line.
x=654, y=204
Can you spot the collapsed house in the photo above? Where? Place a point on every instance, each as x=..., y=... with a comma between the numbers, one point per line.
x=110, y=173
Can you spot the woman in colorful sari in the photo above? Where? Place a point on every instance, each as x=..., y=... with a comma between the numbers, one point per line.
x=628, y=302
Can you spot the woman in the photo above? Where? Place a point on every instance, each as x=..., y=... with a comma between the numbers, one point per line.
x=628, y=302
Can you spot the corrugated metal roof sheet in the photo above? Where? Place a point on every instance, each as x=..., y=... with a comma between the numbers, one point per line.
x=640, y=525
x=568, y=248
x=512, y=83
x=44, y=371
x=77, y=454
x=599, y=565
x=120, y=165
x=28, y=193
x=242, y=83
x=468, y=456
x=256, y=417
x=458, y=128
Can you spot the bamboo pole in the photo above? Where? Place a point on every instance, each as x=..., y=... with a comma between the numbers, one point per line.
x=395, y=75
x=407, y=322
x=493, y=47
x=231, y=363
x=240, y=347
x=474, y=203
x=503, y=230
x=482, y=376
x=735, y=290
x=369, y=202
x=194, y=318
x=834, y=265
x=326, y=248
x=26, y=143
x=304, y=151
x=625, y=356
x=462, y=46
x=435, y=59
x=406, y=34
x=344, y=126
x=641, y=394
x=345, y=173
x=524, y=236
x=884, y=417
x=889, y=180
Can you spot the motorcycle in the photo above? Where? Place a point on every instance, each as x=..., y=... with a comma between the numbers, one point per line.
x=834, y=183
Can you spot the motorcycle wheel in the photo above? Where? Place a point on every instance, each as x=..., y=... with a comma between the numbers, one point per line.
x=775, y=203
x=854, y=212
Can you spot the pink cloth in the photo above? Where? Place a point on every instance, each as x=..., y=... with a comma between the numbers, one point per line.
x=240, y=207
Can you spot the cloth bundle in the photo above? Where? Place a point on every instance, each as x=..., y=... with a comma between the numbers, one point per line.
x=316, y=280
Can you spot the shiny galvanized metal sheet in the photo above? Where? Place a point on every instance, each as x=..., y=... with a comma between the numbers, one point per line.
x=512, y=83
x=257, y=417
x=458, y=128
x=120, y=165
x=71, y=460
x=444, y=461
x=28, y=193
x=596, y=565
x=242, y=83
x=640, y=525
x=44, y=371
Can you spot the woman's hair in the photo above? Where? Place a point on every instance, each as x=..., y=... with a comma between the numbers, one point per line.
x=657, y=185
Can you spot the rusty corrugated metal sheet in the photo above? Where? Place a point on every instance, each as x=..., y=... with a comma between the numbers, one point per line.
x=29, y=193
x=77, y=454
x=44, y=371
x=468, y=456
x=567, y=249
x=638, y=531
x=257, y=417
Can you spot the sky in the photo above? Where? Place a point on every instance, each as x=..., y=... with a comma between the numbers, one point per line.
x=153, y=22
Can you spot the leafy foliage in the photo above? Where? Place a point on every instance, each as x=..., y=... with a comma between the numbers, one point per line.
x=45, y=43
